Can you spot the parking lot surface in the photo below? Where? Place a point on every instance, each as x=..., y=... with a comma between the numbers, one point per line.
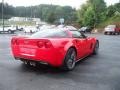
x=97, y=72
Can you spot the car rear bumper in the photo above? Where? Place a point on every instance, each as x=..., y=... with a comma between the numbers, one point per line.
x=52, y=56
x=109, y=31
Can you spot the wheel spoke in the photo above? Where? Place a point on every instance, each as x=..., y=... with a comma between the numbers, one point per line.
x=71, y=60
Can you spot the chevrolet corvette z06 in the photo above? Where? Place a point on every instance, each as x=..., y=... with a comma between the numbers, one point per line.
x=55, y=47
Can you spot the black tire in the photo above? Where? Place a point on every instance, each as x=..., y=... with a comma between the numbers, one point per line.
x=69, y=61
x=9, y=31
x=105, y=33
x=114, y=33
x=117, y=33
x=12, y=32
x=110, y=33
x=31, y=31
x=96, y=48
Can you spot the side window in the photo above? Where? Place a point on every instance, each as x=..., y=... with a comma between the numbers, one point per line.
x=77, y=34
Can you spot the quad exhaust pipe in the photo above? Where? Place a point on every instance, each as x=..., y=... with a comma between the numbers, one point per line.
x=25, y=62
x=30, y=63
x=33, y=64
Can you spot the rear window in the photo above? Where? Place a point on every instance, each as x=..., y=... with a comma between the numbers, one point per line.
x=50, y=34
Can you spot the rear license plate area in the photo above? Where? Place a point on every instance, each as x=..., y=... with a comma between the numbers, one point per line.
x=27, y=51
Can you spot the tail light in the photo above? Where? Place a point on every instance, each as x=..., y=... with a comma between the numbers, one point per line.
x=15, y=41
x=46, y=44
x=40, y=44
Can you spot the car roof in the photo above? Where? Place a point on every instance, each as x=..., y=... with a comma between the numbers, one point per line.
x=111, y=26
x=54, y=29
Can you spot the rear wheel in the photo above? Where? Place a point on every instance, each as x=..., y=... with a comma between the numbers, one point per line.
x=69, y=61
x=96, y=48
x=116, y=33
x=111, y=33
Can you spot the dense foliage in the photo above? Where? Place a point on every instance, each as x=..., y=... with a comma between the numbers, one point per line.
x=94, y=13
x=48, y=13
x=112, y=16
x=8, y=11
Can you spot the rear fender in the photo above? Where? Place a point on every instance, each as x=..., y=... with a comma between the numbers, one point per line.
x=70, y=45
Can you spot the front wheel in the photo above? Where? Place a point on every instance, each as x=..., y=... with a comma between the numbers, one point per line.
x=69, y=61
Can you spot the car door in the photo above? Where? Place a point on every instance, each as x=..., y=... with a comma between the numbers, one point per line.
x=85, y=42
x=88, y=45
x=81, y=43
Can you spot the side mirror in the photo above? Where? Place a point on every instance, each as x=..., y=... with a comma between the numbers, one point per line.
x=83, y=35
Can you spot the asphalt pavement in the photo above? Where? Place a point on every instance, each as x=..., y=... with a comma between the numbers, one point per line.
x=96, y=72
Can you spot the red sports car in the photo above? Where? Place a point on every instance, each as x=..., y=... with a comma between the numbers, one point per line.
x=55, y=47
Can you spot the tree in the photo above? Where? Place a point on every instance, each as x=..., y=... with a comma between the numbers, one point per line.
x=48, y=13
x=112, y=9
x=94, y=10
x=89, y=19
x=81, y=13
x=44, y=12
x=8, y=11
x=51, y=17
